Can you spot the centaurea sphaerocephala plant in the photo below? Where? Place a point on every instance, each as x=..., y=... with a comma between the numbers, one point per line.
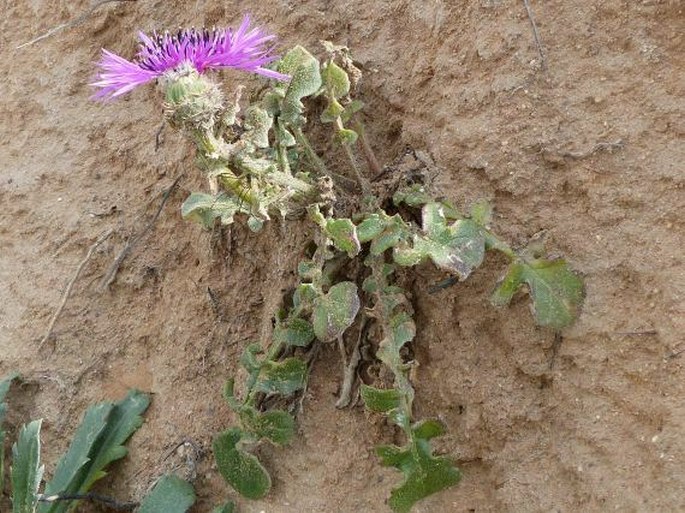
x=259, y=162
x=246, y=48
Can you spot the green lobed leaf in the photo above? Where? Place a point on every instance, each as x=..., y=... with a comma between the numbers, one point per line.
x=458, y=247
x=332, y=112
x=277, y=426
x=343, y=233
x=305, y=295
x=351, y=109
x=428, y=428
x=171, y=494
x=402, y=331
x=335, y=311
x=305, y=80
x=249, y=358
x=379, y=400
x=26, y=468
x=240, y=469
x=557, y=293
x=347, y=136
x=205, y=208
x=98, y=441
x=335, y=80
x=295, y=332
x=424, y=473
x=371, y=227
x=284, y=377
x=395, y=231
x=413, y=196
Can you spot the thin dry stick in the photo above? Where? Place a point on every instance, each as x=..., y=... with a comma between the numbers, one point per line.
x=350, y=368
x=72, y=23
x=70, y=285
x=108, y=279
x=536, y=36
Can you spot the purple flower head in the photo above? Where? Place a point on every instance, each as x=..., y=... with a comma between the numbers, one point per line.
x=204, y=49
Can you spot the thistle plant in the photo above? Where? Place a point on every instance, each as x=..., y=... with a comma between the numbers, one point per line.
x=259, y=163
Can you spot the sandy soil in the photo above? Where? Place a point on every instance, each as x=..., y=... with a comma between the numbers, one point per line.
x=595, y=424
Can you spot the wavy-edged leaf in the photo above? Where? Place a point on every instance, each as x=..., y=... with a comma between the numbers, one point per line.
x=371, y=227
x=26, y=468
x=294, y=332
x=458, y=247
x=343, y=233
x=277, y=426
x=335, y=80
x=240, y=469
x=403, y=330
x=284, y=377
x=335, y=311
x=204, y=208
x=305, y=80
x=98, y=441
x=171, y=494
x=380, y=400
x=557, y=293
x=424, y=473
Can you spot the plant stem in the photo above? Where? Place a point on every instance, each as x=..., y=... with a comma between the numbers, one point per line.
x=309, y=151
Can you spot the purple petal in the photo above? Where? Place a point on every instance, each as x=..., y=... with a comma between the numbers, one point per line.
x=118, y=76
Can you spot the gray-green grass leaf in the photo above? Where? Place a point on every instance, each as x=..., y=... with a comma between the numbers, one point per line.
x=98, y=441
x=26, y=469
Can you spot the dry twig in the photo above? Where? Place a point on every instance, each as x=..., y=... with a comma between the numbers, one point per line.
x=536, y=36
x=72, y=23
x=108, y=279
x=70, y=285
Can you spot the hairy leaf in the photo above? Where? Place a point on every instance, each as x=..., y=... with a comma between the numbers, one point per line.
x=403, y=330
x=371, y=227
x=294, y=332
x=240, y=469
x=343, y=233
x=283, y=377
x=335, y=80
x=335, y=311
x=277, y=426
x=424, y=473
x=380, y=400
x=98, y=441
x=205, y=208
x=305, y=80
x=26, y=469
x=458, y=248
x=171, y=494
x=556, y=291
x=395, y=231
